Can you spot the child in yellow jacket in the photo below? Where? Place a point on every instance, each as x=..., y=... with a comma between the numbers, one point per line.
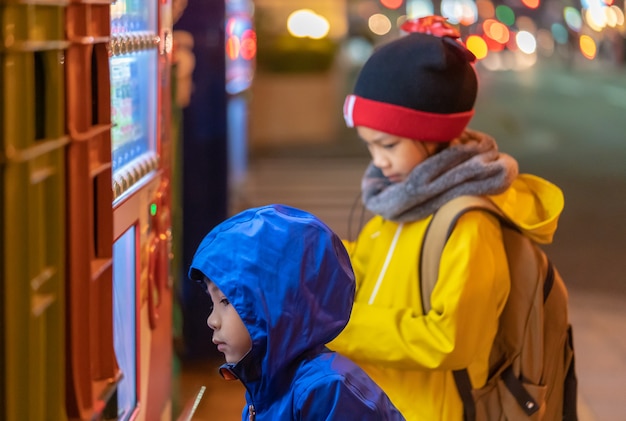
x=411, y=105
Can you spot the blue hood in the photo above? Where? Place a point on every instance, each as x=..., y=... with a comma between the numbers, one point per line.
x=288, y=276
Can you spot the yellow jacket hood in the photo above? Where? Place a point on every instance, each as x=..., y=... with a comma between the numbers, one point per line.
x=534, y=205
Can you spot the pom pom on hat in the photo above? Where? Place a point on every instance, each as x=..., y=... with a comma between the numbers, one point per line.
x=421, y=86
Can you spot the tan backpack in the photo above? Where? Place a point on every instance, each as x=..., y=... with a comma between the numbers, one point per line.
x=531, y=365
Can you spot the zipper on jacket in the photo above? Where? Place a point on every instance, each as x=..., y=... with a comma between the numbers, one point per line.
x=251, y=413
x=381, y=275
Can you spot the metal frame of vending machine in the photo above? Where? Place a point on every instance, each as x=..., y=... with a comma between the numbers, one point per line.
x=33, y=139
x=119, y=299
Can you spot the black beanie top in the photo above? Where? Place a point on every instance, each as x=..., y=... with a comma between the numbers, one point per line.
x=421, y=86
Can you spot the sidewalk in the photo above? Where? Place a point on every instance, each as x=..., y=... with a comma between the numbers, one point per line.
x=599, y=322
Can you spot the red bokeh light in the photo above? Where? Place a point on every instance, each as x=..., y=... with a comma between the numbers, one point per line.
x=391, y=4
x=248, y=44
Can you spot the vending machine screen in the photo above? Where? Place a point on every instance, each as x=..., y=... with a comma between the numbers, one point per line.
x=133, y=106
x=124, y=322
x=132, y=16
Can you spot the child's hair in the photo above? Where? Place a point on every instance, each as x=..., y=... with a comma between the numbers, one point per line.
x=421, y=86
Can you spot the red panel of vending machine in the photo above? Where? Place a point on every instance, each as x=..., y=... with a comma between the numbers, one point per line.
x=92, y=371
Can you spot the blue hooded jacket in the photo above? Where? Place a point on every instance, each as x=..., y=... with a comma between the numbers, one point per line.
x=289, y=278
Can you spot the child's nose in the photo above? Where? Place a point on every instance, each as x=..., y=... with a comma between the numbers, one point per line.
x=379, y=160
x=211, y=321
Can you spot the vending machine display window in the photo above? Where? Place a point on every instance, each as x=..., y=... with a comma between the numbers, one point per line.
x=134, y=93
x=133, y=106
x=133, y=16
x=124, y=322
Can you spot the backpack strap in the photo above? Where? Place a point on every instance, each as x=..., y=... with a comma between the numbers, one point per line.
x=464, y=387
x=437, y=234
x=435, y=239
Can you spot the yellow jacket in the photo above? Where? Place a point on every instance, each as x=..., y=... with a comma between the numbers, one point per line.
x=411, y=355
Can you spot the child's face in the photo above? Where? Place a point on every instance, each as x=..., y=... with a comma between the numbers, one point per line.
x=395, y=156
x=229, y=333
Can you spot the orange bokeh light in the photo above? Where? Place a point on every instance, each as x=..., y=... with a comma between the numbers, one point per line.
x=587, y=47
x=495, y=30
x=531, y=4
x=233, y=46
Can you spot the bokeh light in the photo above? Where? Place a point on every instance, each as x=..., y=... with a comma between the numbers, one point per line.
x=497, y=31
x=526, y=42
x=524, y=23
x=240, y=43
x=485, y=9
x=572, y=18
x=587, y=47
x=391, y=4
x=460, y=11
x=358, y=50
x=505, y=14
x=305, y=23
x=595, y=18
x=233, y=45
x=613, y=16
x=379, y=24
x=514, y=33
x=477, y=45
x=419, y=8
x=531, y=4
x=619, y=14
x=559, y=33
x=248, y=44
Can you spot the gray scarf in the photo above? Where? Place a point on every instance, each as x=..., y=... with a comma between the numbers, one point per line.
x=470, y=165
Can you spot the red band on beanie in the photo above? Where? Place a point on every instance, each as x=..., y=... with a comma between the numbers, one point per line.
x=404, y=122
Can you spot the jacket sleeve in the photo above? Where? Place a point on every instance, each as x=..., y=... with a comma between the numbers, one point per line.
x=338, y=399
x=470, y=294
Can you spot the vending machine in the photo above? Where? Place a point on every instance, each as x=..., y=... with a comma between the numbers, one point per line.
x=119, y=289
x=141, y=40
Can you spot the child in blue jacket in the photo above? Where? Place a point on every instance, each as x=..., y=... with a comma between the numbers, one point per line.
x=282, y=287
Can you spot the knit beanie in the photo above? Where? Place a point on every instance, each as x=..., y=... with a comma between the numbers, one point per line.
x=421, y=86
